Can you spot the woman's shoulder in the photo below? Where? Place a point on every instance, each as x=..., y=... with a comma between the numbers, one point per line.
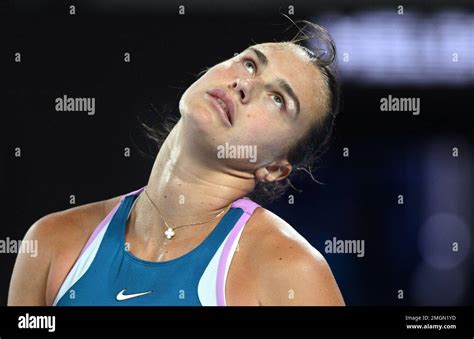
x=285, y=261
x=75, y=222
x=267, y=228
x=59, y=238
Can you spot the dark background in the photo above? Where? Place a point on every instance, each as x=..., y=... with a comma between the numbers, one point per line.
x=391, y=153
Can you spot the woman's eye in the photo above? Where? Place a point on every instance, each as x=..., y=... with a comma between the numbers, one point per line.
x=251, y=63
x=280, y=100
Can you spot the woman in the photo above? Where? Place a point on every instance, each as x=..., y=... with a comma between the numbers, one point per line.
x=192, y=236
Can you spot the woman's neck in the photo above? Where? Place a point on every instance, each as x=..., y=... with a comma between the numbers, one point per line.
x=187, y=189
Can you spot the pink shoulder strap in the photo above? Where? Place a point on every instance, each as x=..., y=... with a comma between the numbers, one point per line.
x=248, y=206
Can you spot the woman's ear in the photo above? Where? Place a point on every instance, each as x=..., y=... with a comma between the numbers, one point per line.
x=275, y=171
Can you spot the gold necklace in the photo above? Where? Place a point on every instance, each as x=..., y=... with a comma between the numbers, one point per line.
x=170, y=231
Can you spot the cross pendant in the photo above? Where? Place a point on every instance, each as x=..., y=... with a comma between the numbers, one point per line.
x=169, y=233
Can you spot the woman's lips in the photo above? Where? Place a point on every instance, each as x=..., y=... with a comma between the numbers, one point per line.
x=222, y=112
x=226, y=100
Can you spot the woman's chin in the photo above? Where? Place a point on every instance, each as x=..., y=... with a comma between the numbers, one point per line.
x=203, y=122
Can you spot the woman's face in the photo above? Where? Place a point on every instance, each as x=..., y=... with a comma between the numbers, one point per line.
x=269, y=114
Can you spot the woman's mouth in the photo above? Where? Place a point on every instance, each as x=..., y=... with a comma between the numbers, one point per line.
x=220, y=106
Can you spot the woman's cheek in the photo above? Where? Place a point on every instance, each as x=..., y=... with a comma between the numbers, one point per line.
x=222, y=70
x=258, y=123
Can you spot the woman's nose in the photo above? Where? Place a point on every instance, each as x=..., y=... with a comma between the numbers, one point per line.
x=242, y=88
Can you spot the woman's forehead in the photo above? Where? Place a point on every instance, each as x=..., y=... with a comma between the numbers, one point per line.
x=284, y=48
x=288, y=56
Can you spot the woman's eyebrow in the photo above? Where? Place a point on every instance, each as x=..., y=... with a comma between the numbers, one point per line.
x=262, y=58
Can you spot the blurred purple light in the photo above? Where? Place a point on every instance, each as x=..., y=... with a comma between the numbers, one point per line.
x=386, y=48
x=436, y=238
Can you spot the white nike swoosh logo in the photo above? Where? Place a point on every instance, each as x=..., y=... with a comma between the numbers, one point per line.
x=121, y=296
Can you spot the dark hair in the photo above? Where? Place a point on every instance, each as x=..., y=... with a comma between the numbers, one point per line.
x=308, y=149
